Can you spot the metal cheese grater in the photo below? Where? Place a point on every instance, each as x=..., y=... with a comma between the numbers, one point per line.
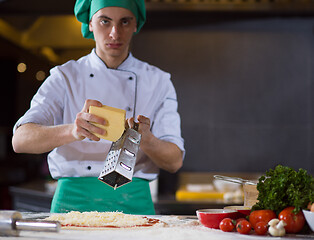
x=120, y=161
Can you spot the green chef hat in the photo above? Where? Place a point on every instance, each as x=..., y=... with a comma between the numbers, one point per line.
x=85, y=9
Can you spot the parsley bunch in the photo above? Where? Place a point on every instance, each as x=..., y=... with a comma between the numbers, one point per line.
x=283, y=187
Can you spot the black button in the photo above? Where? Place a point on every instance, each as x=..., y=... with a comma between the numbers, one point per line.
x=91, y=75
x=128, y=109
x=89, y=167
x=130, y=78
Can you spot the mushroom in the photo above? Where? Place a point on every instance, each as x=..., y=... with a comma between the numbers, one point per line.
x=277, y=227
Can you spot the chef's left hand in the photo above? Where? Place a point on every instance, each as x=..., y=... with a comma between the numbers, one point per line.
x=143, y=127
x=166, y=155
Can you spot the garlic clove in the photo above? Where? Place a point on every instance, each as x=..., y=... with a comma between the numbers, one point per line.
x=277, y=228
x=273, y=222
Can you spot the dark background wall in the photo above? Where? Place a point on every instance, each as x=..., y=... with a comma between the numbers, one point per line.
x=245, y=90
x=244, y=85
x=17, y=90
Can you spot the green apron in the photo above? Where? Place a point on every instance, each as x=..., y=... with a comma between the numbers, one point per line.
x=90, y=194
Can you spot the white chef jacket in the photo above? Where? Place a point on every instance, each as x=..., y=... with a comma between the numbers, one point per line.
x=134, y=86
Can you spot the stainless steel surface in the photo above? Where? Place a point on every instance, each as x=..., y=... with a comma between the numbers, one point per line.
x=11, y=223
x=32, y=225
x=234, y=179
x=120, y=161
x=7, y=223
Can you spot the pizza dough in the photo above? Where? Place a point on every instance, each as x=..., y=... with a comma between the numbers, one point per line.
x=75, y=219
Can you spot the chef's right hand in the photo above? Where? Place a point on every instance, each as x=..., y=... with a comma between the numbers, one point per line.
x=82, y=128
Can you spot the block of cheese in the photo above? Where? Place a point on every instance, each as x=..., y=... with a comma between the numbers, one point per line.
x=115, y=118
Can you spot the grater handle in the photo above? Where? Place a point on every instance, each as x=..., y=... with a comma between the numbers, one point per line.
x=135, y=126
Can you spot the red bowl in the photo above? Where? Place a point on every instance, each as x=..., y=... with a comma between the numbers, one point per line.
x=212, y=217
x=241, y=209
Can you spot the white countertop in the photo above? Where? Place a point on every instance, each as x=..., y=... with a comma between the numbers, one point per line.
x=177, y=228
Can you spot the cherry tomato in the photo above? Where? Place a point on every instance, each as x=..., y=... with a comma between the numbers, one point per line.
x=261, y=216
x=226, y=225
x=261, y=228
x=239, y=219
x=295, y=222
x=244, y=227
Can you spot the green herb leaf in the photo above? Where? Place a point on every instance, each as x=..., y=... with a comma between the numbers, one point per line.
x=284, y=187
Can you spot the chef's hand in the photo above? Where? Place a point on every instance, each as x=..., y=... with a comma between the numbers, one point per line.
x=166, y=155
x=143, y=127
x=82, y=128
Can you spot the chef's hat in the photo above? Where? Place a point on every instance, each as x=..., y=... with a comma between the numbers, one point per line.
x=85, y=9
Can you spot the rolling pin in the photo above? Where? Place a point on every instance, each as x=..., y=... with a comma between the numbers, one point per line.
x=11, y=223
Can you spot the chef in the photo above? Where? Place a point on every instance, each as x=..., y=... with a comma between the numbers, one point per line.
x=58, y=120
